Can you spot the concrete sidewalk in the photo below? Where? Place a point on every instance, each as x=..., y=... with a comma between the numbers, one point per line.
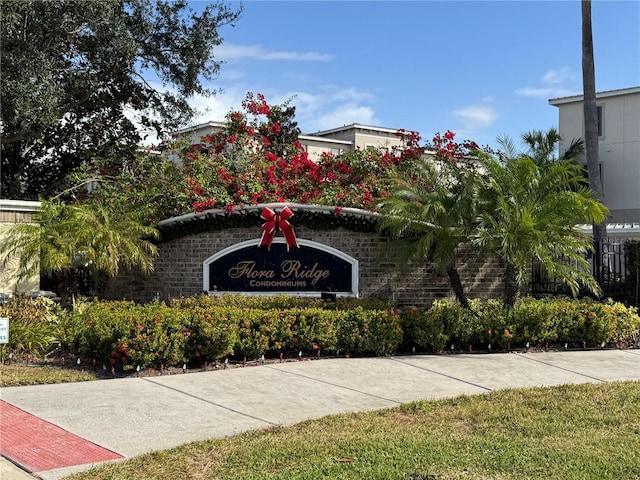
x=137, y=415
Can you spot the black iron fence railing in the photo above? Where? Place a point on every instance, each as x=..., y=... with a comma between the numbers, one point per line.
x=608, y=268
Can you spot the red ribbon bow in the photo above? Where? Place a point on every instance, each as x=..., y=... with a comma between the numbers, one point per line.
x=275, y=222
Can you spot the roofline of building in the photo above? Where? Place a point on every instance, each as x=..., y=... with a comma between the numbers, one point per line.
x=603, y=94
x=324, y=139
x=354, y=126
x=615, y=229
x=210, y=124
x=319, y=136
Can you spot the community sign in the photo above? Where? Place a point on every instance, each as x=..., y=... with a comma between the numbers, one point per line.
x=308, y=269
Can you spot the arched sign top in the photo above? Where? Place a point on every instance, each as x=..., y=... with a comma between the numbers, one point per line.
x=309, y=270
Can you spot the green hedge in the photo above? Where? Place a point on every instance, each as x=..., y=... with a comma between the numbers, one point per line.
x=538, y=322
x=279, y=302
x=156, y=335
x=207, y=329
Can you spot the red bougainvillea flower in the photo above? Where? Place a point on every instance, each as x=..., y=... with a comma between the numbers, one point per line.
x=204, y=205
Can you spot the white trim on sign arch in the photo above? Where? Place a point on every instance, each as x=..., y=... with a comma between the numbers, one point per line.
x=307, y=243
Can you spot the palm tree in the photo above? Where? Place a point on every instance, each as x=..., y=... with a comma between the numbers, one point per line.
x=43, y=246
x=591, y=125
x=530, y=212
x=106, y=240
x=64, y=237
x=429, y=213
x=542, y=146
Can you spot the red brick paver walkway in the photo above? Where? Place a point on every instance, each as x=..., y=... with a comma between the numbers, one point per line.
x=38, y=446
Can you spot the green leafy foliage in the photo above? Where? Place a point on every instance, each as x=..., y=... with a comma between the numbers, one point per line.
x=203, y=329
x=197, y=330
x=34, y=326
x=254, y=157
x=530, y=211
x=73, y=72
x=423, y=331
x=376, y=332
x=65, y=236
x=538, y=322
x=280, y=302
x=431, y=209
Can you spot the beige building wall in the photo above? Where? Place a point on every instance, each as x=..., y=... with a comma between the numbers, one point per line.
x=315, y=146
x=335, y=141
x=619, y=146
x=12, y=212
x=363, y=136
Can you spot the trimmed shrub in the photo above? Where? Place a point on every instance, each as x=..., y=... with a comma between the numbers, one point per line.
x=362, y=332
x=539, y=322
x=423, y=330
x=156, y=335
x=34, y=326
x=279, y=302
x=124, y=334
x=210, y=334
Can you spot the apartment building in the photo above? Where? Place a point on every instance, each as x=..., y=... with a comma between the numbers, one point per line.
x=347, y=138
x=619, y=146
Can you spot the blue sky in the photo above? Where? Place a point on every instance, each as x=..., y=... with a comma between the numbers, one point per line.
x=480, y=68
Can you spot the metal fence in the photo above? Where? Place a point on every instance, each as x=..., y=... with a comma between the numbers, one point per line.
x=608, y=268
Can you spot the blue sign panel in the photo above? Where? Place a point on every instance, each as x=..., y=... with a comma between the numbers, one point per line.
x=312, y=268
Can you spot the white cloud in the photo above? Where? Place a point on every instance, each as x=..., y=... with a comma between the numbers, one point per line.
x=346, y=115
x=216, y=107
x=558, y=77
x=476, y=117
x=329, y=108
x=555, y=83
x=230, y=52
x=333, y=108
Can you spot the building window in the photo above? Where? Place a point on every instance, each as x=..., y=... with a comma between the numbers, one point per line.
x=600, y=119
x=335, y=151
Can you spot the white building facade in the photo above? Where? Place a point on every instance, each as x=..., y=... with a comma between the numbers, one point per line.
x=619, y=146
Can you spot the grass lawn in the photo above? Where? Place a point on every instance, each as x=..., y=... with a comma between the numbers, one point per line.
x=577, y=432
x=15, y=375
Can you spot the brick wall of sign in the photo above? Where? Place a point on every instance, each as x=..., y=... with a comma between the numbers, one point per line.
x=179, y=272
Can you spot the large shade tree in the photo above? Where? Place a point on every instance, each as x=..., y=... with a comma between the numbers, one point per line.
x=77, y=81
